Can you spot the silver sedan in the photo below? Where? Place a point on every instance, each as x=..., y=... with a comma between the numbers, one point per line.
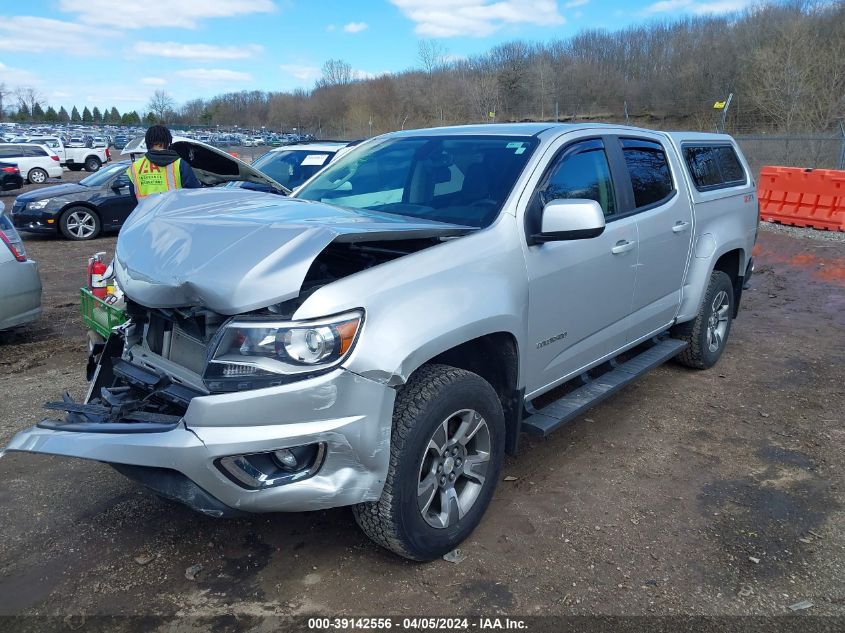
x=20, y=284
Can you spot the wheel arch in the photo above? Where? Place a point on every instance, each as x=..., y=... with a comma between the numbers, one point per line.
x=731, y=259
x=495, y=358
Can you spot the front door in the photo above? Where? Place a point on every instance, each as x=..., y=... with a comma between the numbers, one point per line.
x=580, y=291
x=117, y=202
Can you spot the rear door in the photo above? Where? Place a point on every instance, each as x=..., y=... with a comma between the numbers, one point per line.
x=661, y=206
x=580, y=291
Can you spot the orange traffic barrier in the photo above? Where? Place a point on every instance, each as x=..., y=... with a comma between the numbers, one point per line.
x=803, y=197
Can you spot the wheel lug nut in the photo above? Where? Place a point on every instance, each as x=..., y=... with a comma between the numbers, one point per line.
x=459, y=461
x=455, y=451
x=440, y=468
x=452, y=477
x=443, y=479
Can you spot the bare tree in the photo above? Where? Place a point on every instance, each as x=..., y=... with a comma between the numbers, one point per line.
x=2, y=95
x=29, y=97
x=432, y=55
x=161, y=105
x=336, y=72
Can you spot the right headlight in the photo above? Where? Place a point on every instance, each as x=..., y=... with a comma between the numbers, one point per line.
x=256, y=353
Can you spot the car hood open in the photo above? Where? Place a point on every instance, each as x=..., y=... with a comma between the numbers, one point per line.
x=234, y=251
x=212, y=165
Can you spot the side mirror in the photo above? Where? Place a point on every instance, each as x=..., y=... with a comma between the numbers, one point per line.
x=568, y=219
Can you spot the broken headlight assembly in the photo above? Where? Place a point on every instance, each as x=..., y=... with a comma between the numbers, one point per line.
x=249, y=354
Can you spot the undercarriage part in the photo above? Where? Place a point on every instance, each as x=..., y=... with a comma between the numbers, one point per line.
x=172, y=484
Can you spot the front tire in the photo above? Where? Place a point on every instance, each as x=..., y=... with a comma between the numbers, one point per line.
x=447, y=448
x=79, y=224
x=37, y=176
x=708, y=333
x=92, y=163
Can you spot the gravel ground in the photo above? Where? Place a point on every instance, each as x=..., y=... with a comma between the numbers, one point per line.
x=707, y=493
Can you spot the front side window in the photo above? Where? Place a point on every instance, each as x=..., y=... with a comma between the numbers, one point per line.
x=582, y=173
x=649, y=171
x=456, y=179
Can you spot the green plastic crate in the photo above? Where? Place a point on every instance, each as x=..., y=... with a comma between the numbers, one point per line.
x=99, y=315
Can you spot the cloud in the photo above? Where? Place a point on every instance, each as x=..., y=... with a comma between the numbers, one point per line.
x=30, y=34
x=476, y=18
x=301, y=72
x=153, y=81
x=575, y=3
x=355, y=27
x=213, y=74
x=17, y=76
x=195, y=51
x=698, y=8
x=160, y=13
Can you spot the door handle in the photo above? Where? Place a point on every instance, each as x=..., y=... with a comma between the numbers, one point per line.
x=622, y=246
x=680, y=226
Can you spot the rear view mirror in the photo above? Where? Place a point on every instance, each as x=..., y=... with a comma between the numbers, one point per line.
x=566, y=219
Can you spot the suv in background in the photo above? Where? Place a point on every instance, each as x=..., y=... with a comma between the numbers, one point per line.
x=381, y=338
x=36, y=162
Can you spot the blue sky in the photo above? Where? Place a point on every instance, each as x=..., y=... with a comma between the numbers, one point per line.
x=118, y=52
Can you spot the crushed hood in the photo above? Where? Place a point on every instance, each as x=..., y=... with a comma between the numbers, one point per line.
x=211, y=165
x=234, y=251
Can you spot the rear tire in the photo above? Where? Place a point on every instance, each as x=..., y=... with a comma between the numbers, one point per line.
x=92, y=163
x=37, y=176
x=79, y=224
x=708, y=333
x=446, y=453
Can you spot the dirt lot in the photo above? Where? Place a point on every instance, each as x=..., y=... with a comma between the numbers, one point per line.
x=717, y=492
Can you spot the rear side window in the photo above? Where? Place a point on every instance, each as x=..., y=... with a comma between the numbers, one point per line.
x=33, y=151
x=714, y=166
x=649, y=171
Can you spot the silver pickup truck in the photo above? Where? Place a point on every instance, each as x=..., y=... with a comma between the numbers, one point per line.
x=381, y=338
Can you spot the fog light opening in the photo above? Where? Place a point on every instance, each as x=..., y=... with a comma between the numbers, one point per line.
x=256, y=471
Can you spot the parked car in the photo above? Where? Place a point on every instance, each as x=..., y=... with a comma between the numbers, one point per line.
x=381, y=338
x=36, y=163
x=102, y=202
x=98, y=203
x=10, y=177
x=292, y=165
x=75, y=158
x=120, y=141
x=20, y=283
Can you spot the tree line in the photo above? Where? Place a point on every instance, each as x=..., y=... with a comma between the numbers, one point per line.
x=783, y=63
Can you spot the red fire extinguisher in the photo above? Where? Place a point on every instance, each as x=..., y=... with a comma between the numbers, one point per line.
x=97, y=282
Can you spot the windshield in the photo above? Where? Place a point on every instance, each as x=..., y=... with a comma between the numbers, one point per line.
x=457, y=179
x=292, y=167
x=103, y=175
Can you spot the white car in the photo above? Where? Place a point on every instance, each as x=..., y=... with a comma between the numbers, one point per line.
x=291, y=165
x=36, y=162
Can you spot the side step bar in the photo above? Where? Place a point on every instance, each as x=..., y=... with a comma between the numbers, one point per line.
x=543, y=421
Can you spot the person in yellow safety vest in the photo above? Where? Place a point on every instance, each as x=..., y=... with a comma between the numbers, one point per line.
x=161, y=169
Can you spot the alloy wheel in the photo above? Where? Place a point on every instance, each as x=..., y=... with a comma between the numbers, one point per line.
x=717, y=324
x=81, y=224
x=453, y=468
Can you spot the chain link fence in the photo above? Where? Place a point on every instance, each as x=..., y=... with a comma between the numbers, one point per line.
x=816, y=152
